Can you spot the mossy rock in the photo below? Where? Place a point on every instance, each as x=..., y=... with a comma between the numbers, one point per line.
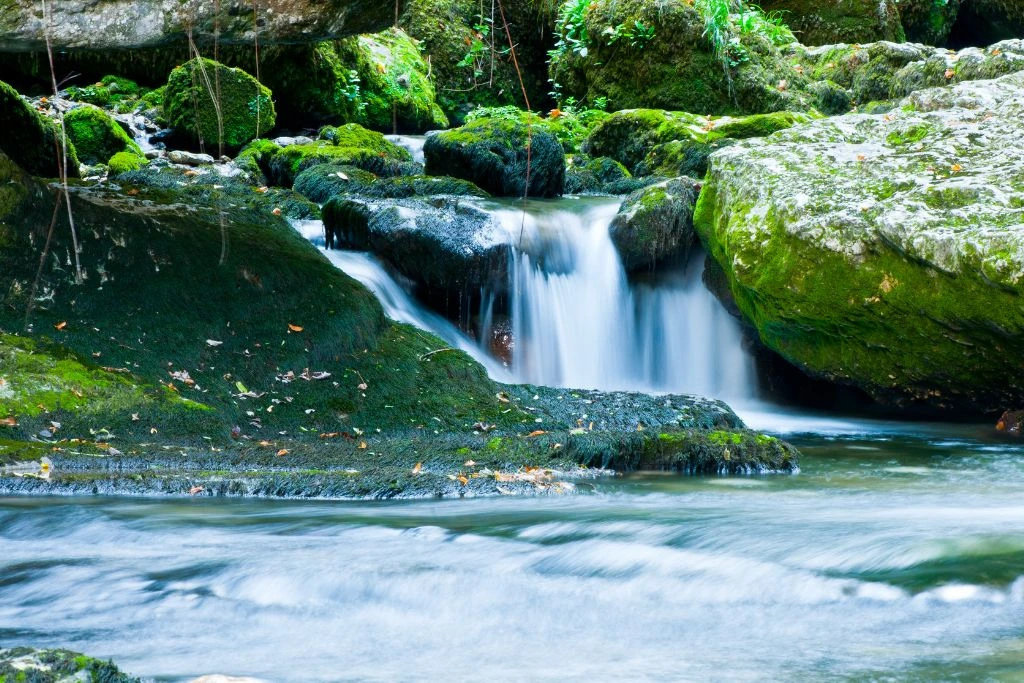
x=655, y=224
x=570, y=127
x=847, y=21
x=873, y=251
x=349, y=145
x=499, y=155
x=33, y=665
x=209, y=103
x=326, y=181
x=393, y=83
x=584, y=175
x=97, y=136
x=122, y=162
x=30, y=139
x=667, y=143
x=111, y=92
x=676, y=68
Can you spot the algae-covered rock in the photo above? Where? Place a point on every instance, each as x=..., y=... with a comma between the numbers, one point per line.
x=350, y=145
x=675, y=55
x=667, y=143
x=503, y=156
x=445, y=244
x=322, y=183
x=210, y=103
x=97, y=136
x=31, y=140
x=885, y=251
x=56, y=666
x=846, y=21
x=394, y=87
x=655, y=224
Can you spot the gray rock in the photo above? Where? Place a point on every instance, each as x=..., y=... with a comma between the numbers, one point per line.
x=133, y=24
x=655, y=224
x=189, y=158
x=885, y=251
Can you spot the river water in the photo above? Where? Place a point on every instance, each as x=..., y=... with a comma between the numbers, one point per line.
x=887, y=557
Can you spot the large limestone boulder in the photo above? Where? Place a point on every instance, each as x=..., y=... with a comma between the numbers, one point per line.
x=886, y=251
x=133, y=24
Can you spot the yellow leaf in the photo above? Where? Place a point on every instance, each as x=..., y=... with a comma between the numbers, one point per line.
x=61, y=325
x=416, y=469
x=362, y=445
x=956, y=168
x=462, y=479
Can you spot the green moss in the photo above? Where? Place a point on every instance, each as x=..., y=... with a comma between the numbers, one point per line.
x=393, y=83
x=211, y=103
x=97, y=136
x=715, y=452
x=122, y=162
x=350, y=145
x=31, y=140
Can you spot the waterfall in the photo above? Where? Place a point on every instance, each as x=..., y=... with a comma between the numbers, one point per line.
x=578, y=321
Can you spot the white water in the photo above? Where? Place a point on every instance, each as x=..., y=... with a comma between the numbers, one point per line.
x=578, y=322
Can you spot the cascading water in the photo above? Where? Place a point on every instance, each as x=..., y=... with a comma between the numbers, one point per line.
x=578, y=322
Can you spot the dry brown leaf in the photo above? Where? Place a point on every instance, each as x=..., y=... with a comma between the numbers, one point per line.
x=8, y=422
x=462, y=479
x=417, y=467
x=537, y=432
x=283, y=451
x=265, y=443
x=294, y=328
x=61, y=325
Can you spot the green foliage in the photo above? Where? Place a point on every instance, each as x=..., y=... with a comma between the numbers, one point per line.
x=724, y=27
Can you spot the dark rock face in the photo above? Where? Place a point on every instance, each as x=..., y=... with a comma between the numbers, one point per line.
x=443, y=243
x=656, y=224
x=849, y=21
x=499, y=155
x=133, y=24
x=31, y=140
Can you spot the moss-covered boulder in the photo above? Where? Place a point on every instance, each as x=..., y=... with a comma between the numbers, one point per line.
x=395, y=90
x=326, y=181
x=846, y=21
x=655, y=224
x=602, y=175
x=503, y=156
x=677, y=55
x=667, y=143
x=885, y=251
x=444, y=245
x=456, y=37
x=31, y=140
x=350, y=145
x=97, y=136
x=54, y=666
x=212, y=104
x=928, y=21
x=110, y=92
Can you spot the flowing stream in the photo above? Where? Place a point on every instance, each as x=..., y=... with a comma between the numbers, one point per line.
x=887, y=558
x=897, y=552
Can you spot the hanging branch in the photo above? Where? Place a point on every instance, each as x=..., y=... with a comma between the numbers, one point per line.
x=62, y=162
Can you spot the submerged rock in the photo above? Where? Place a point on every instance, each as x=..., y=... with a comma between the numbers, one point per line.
x=885, y=251
x=505, y=157
x=656, y=224
x=210, y=103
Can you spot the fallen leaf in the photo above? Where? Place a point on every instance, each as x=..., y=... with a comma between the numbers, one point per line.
x=294, y=328
x=213, y=342
x=949, y=73
x=61, y=325
x=470, y=463
x=283, y=451
x=462, y=479
x=8, y=422
x=956, y=168
x=276, y=211
x=195, y=489
x=362, y=445
x=265, y=444
x=363, y=386
x=537, y=432
x=416, y=469
x=330, y=435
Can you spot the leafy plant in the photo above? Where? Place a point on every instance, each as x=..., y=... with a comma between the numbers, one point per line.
x=352, y=92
